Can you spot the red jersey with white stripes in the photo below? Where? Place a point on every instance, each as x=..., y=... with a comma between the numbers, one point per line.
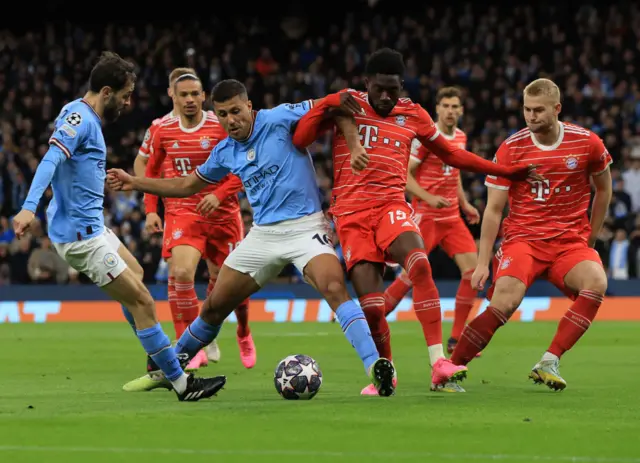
x=437, y=178
x=558, y=205
x=387, y=141
x=145, y=148
x=185, y=149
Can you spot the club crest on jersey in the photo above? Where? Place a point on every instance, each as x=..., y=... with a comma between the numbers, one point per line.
x=505, y=263
x=177, y=233
x=205, y=143
x=401, y=120
x=571, y=162
x=251, y=154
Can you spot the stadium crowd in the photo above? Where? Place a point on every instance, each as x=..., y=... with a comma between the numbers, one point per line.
x=593, y=55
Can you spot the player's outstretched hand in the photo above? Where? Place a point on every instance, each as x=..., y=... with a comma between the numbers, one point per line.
x=349, y=105
x=480, y=277
x=527, y=173
x=359, y=159
x=119, y=180
x=208, y=204
x=153, y=223
x=21, y=222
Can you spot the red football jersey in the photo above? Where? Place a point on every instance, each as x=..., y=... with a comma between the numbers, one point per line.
x=387, y=140
x=145, y=148
x=185, y=149
x=558, y=205
x=437, y=178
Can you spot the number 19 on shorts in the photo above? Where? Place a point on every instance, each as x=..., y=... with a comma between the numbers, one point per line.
x=397, y=216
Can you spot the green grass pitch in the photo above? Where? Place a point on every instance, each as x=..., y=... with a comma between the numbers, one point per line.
x=61, y=401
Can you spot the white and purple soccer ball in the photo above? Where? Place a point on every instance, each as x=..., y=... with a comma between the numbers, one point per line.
x=298, y=377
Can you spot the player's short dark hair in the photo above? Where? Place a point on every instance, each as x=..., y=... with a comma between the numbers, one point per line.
x=385, y=61
x=227, y=89
x=448, y=92
x=111, y=71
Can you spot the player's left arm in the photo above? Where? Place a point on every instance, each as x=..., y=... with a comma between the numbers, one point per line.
x=599, y=162
x=228, y=186
x=454, y=156
x=471, y=212
x=64, y=142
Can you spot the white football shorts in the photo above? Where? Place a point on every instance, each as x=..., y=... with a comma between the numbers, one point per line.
x=96, y=257
x=267, y=249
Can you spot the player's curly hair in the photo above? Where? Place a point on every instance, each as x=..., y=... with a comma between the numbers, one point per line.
x=227, y=89
x=385, y=61
x=111, y=71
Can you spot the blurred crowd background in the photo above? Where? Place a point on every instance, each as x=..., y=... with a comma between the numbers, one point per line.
x=491, y=52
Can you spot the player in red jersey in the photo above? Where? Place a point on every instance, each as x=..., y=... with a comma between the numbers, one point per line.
x=547, y=233
x=186, y=141
x=373, y=220
x=438, y=197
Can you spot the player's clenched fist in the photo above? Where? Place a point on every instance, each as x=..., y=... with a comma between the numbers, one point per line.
x=119, y=180
x=208, y=204
x=359, y=159
x=480, y=277
x=21, y=222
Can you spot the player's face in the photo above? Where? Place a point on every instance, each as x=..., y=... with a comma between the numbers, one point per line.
x=115, y=102
x=235, y=116
x=384, y=91
x=449, y=111
x=188, y=97
x=540, y=113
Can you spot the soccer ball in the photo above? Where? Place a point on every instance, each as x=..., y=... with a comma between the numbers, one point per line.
x=298, y=377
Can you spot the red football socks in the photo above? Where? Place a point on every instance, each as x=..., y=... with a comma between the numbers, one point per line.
x=465, y=298
x=396, y=292
x=176, y=315
x=187, y=302
x=576, y=321
x=426, y=300
x=477, y=335
x=373, y=307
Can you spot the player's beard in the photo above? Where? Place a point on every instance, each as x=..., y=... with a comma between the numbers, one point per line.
x=111, y=110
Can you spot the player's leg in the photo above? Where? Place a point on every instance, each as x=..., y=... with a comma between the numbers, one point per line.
x=364, y=263
x=458, y=243
x=514, y=272
x=212, y=350
x=579, y=272
x=98, y=260
x=223, y=239
x=431, y=237
x=176, y=316
x=131, y=263
x=249, y=267
x=317, y=261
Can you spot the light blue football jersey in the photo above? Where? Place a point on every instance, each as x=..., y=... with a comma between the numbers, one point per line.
x=78, y=153
x=279, y=179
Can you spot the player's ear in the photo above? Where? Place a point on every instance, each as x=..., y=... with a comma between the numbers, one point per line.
x=249, y=105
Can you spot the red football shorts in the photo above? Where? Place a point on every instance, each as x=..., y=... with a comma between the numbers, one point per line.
x=547, y=259
x=366, y=235
x=453, y=236
x=214, y=241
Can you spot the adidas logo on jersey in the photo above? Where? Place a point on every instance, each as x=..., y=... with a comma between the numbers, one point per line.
x=408, y=224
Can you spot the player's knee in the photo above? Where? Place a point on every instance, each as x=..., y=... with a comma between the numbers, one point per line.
x=508, y=295
x=418, y=267
x=182, y=273
x=595, y=281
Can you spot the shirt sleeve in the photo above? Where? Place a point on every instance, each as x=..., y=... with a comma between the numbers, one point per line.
x=212, y=171
x=599, y=157
x=288, y=114
x=500, y=158
x=70, y=133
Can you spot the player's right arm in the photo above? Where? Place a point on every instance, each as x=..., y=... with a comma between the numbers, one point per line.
x=497, y=198
x=414, y=187
x=180, y=187
x=156, y=156
x=62, y=144
x=140, y=163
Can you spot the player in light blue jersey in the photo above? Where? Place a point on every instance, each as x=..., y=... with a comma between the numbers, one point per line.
x=74, y=165
x=289, y=225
